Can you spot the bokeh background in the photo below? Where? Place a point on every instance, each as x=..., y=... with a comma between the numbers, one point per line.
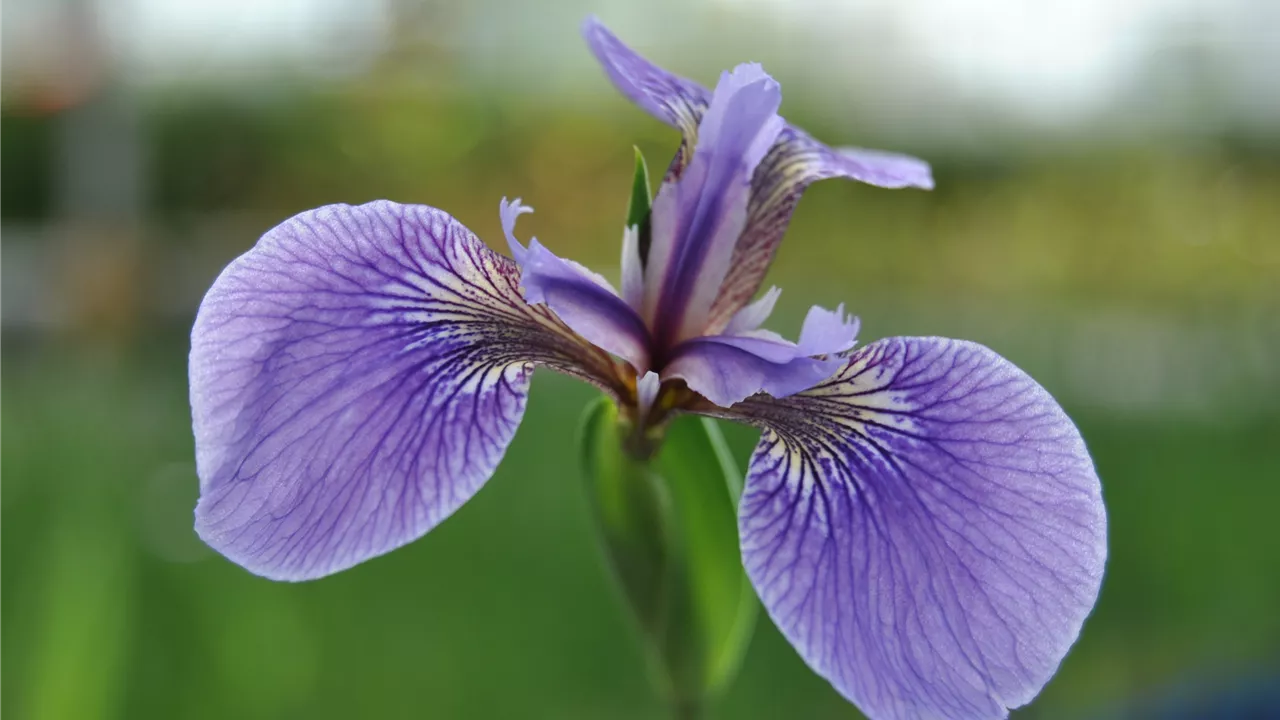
x=1107, y=215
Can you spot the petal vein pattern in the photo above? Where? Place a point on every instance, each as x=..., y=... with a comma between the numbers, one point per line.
x=698, y=218
x=926, y=528
x=795, y=162
x=668, y=97
x=355, y=377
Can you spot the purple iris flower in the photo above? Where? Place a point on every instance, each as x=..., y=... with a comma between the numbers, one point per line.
x=920, y=518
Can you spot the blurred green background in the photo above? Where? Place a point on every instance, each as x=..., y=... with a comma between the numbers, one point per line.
x=1107, y=216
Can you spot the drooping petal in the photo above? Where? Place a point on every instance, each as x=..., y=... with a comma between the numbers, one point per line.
x=584, y=300
x=676, y=101
x=355, y=377
x=672, y=99
x=727, y=369
x=826, y=332
x=698, y=218
x=876, y=167
x=795, y=162
x=926, y=528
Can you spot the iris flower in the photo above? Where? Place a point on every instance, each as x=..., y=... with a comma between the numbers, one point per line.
x=920, y=518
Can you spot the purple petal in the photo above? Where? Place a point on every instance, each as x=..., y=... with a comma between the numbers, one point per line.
x=647, y=387
x=827, y=332
x=509, y=213
x=926, y=528
x=584, y=300
x=753, y=316
x=727, y=369
x=586, y=303
x=632, y=268
x=795, y=162
x=879, y=168
x=698, y=218
x=356, y=377
x=672, y=99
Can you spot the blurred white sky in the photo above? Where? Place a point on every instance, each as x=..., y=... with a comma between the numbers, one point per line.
x=1042, y=58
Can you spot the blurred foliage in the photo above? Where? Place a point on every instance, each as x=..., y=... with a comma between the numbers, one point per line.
x=26, y=161
x=1150, y=223
x=113, y=609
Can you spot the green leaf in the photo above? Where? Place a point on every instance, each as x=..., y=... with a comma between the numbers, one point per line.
x=638, y=208
x=668, y=527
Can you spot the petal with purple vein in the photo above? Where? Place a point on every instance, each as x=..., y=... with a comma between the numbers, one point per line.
x=674, y=100
x=355, y=377
x=794, y=163
x=698, y=218
x=926, y=528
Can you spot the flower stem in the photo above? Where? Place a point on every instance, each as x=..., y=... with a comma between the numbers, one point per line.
x=686, y=709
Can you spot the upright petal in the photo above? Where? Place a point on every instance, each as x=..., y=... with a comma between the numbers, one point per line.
x=753, y=316
x=926, y=528
x=632, y=268
x=355, y=377
x=795, y=162
x=698, y=218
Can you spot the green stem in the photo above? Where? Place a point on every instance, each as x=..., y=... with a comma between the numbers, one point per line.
x=686, y=710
